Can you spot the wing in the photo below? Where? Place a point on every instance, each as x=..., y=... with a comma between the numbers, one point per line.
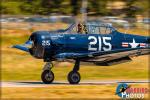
x=116, y=54
x=105, y=56
x=70, y=55
x=120, y=56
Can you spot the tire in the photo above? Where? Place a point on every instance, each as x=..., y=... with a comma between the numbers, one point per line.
x=74, y=77
x=47, y=76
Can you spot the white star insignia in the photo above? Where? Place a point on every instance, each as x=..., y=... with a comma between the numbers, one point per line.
x=134, y=44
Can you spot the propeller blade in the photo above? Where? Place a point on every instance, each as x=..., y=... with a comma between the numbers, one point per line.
x=24, y=47
x=21, y=47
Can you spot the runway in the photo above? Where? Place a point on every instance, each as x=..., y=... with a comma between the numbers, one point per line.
x=84, y=82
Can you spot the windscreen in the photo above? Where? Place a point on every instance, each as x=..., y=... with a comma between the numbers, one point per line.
x=95, y=29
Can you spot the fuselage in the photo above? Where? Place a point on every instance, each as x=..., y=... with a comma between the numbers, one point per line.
x=49, y=44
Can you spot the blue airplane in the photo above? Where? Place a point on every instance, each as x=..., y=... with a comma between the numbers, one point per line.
x=99, y=44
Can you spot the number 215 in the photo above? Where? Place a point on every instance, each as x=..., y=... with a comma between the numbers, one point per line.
x=94, y=40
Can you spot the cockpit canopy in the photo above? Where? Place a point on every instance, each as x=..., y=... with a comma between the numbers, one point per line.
x=89, y=28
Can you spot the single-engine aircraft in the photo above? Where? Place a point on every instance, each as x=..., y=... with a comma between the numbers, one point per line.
x=99, y=44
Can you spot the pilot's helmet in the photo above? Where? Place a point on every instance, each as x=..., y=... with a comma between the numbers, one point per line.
x=79, y=25
x=80, y=28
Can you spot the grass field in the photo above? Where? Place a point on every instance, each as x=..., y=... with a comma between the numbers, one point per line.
x=67, y=92
x=63, y=92
x=19, y=66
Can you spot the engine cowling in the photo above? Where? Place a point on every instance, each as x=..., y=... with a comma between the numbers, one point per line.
x=41, y=44
x=36, y=49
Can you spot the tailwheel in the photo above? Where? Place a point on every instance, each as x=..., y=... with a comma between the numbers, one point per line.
x=47, y=76
x=74, y=77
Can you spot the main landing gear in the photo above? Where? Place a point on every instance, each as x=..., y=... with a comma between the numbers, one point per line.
x=73, y=76
x=47, y=75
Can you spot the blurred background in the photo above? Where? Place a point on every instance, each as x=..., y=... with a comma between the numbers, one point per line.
x=19, y=18
x=32, y=13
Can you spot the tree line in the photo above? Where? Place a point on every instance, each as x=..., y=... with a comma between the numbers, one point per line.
x=72, y=7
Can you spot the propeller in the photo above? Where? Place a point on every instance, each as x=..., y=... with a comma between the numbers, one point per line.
x=28, y=43
x=24, y=47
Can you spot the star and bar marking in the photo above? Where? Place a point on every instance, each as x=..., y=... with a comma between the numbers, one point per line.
x=133, y=44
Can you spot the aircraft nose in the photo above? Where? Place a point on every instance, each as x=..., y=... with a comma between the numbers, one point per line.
x=29, y=43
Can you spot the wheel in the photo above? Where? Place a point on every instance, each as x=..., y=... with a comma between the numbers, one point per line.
x=74, y=77
x=47, y=76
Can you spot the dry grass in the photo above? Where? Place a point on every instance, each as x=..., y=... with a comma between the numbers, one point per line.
x=28, y=28
x=66, y=92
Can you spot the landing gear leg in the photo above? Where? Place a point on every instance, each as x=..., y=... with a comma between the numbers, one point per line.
x=47, y=75
x=74, y=76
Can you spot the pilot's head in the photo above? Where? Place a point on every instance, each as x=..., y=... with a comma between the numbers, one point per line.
x=80, y=28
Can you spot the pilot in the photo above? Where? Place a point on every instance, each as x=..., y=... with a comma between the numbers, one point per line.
x=85, y=29
x=82, y=28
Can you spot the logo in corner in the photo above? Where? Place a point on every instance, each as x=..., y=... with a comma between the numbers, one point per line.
x=125, y=91
x=121, y=89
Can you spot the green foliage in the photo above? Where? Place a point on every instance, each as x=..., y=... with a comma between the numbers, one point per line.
x=144, y=6
x=10, y=7
x=134, y=7
x=76, y=5
x=42, y=7
x=98, y=7
x=47, y=7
